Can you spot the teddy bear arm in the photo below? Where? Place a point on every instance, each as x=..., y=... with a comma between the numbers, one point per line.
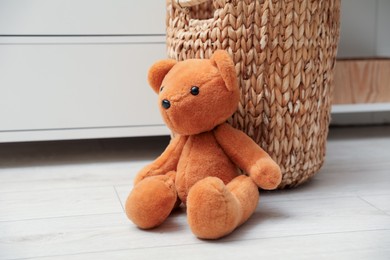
x=248, y=156
x=166, y=162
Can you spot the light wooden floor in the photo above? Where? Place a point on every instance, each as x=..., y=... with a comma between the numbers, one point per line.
x=64, y=200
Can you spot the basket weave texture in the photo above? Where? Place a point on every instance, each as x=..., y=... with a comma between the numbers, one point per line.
x=284, y=52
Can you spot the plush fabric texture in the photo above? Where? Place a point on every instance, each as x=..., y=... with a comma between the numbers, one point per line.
x=200, y=166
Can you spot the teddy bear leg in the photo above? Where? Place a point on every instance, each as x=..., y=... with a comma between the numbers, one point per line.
x=152, y=200
x=215, y=209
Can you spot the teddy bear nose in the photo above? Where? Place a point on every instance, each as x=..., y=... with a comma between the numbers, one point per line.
x=166, y=104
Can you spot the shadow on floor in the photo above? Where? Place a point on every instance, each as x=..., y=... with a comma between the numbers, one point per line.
x=81, y=151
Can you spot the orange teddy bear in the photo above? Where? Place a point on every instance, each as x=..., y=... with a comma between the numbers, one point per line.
x=200, y=165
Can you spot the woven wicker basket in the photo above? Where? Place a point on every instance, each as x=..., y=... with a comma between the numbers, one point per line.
x=284, y=51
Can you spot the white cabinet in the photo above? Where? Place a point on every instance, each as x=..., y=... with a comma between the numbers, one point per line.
x=364, y=29
x=77, y=68
x=362, y=78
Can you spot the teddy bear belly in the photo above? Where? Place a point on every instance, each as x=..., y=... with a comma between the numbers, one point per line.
x=202, y=157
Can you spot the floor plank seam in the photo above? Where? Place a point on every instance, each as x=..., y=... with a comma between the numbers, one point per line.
x=319, y=197
x=59, y=217
x=372, y=205
x=119, y=198
x=62, y=189
x=313, y=234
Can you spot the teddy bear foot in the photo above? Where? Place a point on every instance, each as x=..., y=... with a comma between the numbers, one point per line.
x=151, y=201
x=214, y=210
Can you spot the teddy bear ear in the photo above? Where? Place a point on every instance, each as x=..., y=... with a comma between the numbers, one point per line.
x=222, y=60
x=158, y=71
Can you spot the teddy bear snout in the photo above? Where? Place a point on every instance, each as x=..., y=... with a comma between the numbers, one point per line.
x=166, y=104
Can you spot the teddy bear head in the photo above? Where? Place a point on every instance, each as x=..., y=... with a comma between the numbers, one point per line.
x=195, y=95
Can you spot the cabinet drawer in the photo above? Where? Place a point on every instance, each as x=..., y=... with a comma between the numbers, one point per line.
x=362, y=81
x=78, y=84
x=82, y=17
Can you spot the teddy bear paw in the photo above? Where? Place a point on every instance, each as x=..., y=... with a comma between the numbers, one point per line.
x=266, y=174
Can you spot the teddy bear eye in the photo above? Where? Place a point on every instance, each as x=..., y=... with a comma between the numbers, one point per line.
x=194, y=90
x=161, y=89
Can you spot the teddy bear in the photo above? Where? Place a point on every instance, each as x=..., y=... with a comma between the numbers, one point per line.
x=200, y=166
